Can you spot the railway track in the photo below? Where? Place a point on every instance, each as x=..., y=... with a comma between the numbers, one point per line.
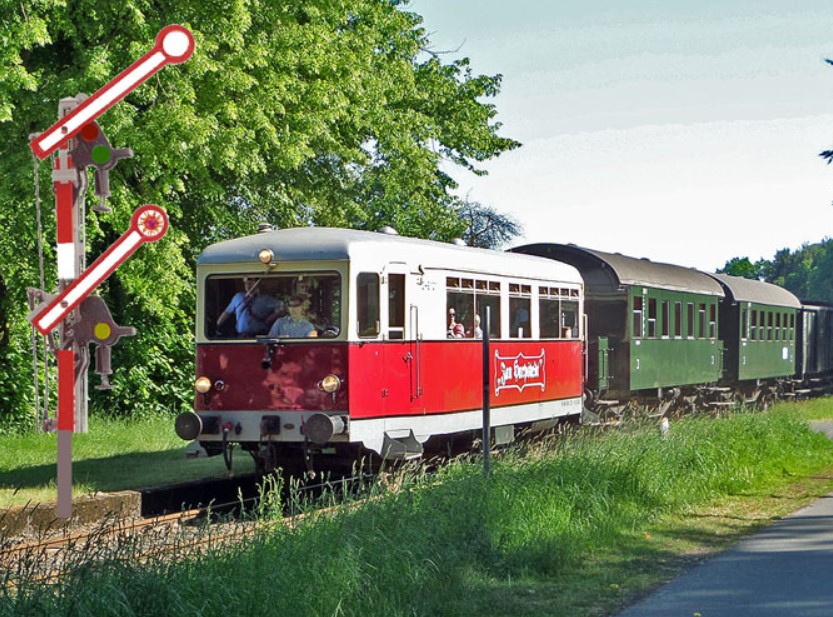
x=188, y=533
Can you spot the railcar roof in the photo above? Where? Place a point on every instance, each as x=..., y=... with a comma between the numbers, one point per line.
x=749, y=290
x=609, y=271
x=335, y=244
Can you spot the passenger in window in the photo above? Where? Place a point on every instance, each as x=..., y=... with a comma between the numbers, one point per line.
x=253, y=312
x=478, y=331
x=455, y=330
x=520, y=325
x=296, y=324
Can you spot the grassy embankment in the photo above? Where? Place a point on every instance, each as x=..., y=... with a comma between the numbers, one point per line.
x=113, y=455
x=579, y=526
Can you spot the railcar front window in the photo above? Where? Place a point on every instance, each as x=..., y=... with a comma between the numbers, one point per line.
x=286, y=305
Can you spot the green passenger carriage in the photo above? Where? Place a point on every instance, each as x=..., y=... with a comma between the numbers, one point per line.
x=652, y=328
x=759, y=327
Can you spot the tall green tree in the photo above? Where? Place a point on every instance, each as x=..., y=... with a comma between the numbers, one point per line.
x=741, y=266
x=326, y=112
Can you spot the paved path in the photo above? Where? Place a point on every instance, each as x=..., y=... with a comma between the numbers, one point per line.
x=784, y=570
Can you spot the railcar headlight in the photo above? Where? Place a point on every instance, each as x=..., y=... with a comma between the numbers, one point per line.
x=202, y=385
x=266, y=256
x=330, y=384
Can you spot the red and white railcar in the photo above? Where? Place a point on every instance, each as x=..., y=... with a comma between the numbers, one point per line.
x=382, y=369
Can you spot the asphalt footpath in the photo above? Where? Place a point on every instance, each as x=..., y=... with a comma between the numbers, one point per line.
x=784, y=570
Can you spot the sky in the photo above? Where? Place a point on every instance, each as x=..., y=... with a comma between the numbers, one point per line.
x=684, y=131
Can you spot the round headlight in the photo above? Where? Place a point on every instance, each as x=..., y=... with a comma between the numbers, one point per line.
x=266, y=256
x=202, y=385
x=330, y=384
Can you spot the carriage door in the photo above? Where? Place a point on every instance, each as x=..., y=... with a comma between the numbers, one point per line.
x=400, y=325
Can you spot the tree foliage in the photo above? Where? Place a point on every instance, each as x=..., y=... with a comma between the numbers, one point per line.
x=741, y=266
x=326, y=112
x=485, y=226
x=807, y=272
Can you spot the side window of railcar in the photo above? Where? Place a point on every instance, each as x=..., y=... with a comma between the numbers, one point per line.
x=569, y=318
x=367, y=304
x=460, y=307
x=466, y=302
x=396, y=306
x=753, y=330
x=652, y=318
x=519, y=311
x=549, y=311
x=701, y=322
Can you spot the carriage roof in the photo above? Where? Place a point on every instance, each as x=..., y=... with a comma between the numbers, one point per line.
x=334, y=244
x=749, y=290
x=610, y=271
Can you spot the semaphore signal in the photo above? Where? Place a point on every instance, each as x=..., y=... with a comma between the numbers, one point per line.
x=148, y=224
x=174, y=44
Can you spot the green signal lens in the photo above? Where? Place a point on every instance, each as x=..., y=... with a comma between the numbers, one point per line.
x=100, y=154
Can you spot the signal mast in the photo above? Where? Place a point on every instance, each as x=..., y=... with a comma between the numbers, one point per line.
x=80, y=318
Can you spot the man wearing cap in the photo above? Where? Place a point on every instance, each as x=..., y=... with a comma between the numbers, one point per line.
x=296, y=324
x=253, y=311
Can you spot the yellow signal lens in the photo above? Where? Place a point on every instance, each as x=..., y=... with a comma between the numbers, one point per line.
x=102, y=330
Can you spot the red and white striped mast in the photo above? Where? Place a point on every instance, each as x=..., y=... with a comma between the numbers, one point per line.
x=77, y=136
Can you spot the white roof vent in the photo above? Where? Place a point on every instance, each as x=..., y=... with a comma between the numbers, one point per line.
x=387, y=229
x=459, y=242
x=264, y=228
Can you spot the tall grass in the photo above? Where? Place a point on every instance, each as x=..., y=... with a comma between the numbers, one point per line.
x=451, y=542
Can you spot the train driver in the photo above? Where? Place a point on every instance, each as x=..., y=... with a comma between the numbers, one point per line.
x=296, y=324
x=253, y=311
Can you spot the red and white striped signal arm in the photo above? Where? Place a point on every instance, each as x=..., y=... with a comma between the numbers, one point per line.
x=174, y=44
x=148, y=224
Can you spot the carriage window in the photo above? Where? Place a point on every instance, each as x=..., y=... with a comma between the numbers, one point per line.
x=712, y=320
x=701, y=325
x=637, y=316
x=678, y=319
x=652, y=318
x=367, y=304
x=666, y=318
x=292, y=305
x=744, y=321
x=690, y=319
x=753, y=331
x=769, y=326
x=777, y=326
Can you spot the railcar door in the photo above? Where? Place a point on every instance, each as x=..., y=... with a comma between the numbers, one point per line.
x=400, y=327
